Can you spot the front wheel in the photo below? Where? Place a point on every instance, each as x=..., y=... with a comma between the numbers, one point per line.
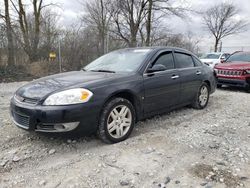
x=117, y=121
x=202, y=97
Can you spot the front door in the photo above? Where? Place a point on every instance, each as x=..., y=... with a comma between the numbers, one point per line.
x=161, y=88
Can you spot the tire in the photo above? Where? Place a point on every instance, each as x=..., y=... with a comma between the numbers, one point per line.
x=219, y=85
x=115, y=126
x=202, y=97
x=247, y=89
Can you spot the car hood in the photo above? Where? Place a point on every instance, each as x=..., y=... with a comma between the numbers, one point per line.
x=234, y=65
x=209, y=60
x=44, y=86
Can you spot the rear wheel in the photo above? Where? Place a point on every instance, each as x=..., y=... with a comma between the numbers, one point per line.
x=117, y=121
x=247, y=89
x=202, y=97
x=219, y=85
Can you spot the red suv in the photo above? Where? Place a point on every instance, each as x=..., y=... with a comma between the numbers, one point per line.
x=235, y=71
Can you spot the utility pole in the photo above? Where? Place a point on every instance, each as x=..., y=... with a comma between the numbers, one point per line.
x=59, y=55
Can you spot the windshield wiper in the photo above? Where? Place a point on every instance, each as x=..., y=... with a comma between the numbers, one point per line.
x=103, y=70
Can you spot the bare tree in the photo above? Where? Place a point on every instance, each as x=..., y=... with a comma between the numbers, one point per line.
x=30, y=26
x=221, y=21
x=128, y=15
x=9, y=34
x=158, y=9
x=98, y=17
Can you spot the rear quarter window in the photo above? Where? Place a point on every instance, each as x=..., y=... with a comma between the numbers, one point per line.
x=183, y=60
x=197, y=62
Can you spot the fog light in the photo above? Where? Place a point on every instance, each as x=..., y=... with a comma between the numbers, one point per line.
x=70, y=126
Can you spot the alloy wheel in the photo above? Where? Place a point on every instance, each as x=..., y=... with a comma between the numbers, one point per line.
x=203, y=95
x=119, y=121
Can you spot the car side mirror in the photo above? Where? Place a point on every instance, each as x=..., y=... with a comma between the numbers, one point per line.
x=157, y=68
x=222, y=60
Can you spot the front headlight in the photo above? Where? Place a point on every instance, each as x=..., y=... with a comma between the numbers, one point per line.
x=71, y=96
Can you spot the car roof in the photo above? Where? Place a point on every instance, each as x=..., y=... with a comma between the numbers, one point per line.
x=158, y=48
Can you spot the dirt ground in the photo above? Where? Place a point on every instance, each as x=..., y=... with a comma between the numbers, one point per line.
x=185, y=148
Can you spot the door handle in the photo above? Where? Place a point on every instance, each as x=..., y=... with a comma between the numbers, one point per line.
x=175, y=77
x=198, y=72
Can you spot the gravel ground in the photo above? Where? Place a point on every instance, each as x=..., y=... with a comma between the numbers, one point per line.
x=185, y=148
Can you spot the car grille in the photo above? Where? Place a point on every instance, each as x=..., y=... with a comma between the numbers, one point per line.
x=26, y=100
x=30, y=101
x=230, y=72
x=22, y=120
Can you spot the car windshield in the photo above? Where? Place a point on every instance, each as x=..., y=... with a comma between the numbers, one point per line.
x=128, y=60
x=239, y=57
x=210, y=56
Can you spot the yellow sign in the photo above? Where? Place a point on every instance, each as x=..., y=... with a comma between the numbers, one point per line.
x=52, y=55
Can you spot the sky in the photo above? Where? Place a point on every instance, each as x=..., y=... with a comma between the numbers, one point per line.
x=71, y=10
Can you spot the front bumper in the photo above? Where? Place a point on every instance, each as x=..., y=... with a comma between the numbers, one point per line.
x=233, y=82
x=82, y=117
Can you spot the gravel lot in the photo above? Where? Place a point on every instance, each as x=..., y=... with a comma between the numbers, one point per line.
x=185, y=148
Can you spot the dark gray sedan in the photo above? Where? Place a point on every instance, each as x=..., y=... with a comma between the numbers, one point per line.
x=113, y=92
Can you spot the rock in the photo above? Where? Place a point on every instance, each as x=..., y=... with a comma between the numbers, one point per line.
x=151, y=174
x=148, y=150
x=16, y=158
x=168, y=179
x=177, y=182
x=215, y=169
x=69, y=141
x=42, y=183
x=124, y=182
x=52, y=151
x=214, y=145
x=222, y=163
x=3, y=163
x=203, y=183
x=161, y=185
x=221, y=180
x=243, y=178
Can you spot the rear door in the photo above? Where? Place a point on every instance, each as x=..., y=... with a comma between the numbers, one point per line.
x=190, y=76
x=161, y=88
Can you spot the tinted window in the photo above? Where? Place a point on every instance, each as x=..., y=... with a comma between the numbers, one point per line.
x=197, y=62
x=166, y=59
x=184, y=60
x=211, y=56
x=239, y=57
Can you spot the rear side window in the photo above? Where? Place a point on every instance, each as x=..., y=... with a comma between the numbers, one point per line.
x=197, y=62
x=165, y=59
x=183, y=60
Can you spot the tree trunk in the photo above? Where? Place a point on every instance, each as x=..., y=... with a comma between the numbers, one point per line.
x=148, y=24
x=133, y=41
x=9, y=35
x=216, y=45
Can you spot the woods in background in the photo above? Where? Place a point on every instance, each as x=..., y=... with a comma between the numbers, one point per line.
x=30, y=32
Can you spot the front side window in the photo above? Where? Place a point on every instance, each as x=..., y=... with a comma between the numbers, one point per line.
x=183, y=60
x=166, y=59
